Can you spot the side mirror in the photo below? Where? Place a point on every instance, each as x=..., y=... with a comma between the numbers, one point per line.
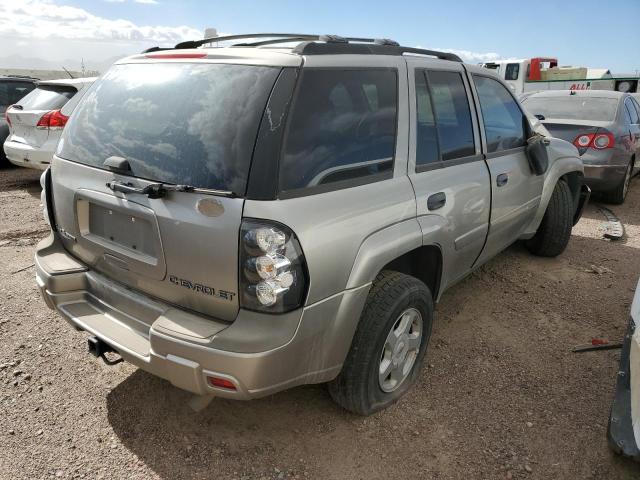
x=537, y=154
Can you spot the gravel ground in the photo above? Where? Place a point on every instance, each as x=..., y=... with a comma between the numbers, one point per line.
x=502, y=396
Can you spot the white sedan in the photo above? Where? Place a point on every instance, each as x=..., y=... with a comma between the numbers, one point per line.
x=36, y=121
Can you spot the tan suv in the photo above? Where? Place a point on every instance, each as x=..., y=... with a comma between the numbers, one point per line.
x=245, y=219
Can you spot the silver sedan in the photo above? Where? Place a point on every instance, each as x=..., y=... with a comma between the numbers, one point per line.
x=605, y=128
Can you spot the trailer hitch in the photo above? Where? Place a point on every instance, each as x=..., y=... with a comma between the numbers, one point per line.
x=99, y=349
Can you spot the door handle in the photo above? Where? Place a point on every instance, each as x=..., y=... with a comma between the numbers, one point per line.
x=502, y=179
x=436, y=201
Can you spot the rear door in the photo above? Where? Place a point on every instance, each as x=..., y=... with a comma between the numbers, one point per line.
x=446, y=168
x=25, y=114
x=174, y=122
x=515, y=189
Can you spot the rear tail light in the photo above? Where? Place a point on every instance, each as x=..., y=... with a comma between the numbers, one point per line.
x=598, y=140
x=52, y=120
x=273, y=275
x=6, y=115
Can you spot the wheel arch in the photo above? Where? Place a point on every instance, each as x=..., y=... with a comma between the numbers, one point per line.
x=423, y=263
x=564, y=168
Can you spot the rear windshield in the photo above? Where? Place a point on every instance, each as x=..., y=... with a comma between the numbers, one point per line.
x=47, y=97
x=574, y=107
x=11, y=92
x=181, y=123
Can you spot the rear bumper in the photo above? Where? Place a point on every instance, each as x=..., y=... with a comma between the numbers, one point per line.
x=260, y=354
x=602, y=178
x=623, y=431
x=24, y=155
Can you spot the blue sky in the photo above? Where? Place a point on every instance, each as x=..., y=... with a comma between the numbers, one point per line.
x=588, y=32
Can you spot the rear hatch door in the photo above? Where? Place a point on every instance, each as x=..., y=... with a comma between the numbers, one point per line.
x=25, y=114
x=174, y=122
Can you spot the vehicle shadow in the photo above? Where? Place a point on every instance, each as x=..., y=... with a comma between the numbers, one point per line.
x=153, y=420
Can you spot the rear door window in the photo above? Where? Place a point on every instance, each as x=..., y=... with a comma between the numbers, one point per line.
x=11, y=92
x=47, y=97
x=452, y=114
x=180, y=123
x=503, y=119
x=342, y=129
x=633, y=113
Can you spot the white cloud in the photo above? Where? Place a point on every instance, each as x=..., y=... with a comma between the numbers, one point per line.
x=39, y=19
x=146, y=2
x=471, y=57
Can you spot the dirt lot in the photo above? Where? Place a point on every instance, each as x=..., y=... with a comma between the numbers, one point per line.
x=502, y=397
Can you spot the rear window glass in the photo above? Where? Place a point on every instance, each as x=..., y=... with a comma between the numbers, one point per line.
x=181, y=123
x=574, y=107
x=47, y=97
x=11, y=92
x=512, y=71
x=342, y=128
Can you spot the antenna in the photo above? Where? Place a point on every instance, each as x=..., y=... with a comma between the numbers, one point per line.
x=68, y=72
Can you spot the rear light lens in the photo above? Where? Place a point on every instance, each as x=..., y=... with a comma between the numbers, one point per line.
x=598, y=140
x=52, y=120
x=583, y=141
x=221, y=383
x=603, y=140
x=6, y=115
x=273, y=272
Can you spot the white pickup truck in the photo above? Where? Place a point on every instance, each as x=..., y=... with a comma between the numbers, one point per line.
x=543, y=73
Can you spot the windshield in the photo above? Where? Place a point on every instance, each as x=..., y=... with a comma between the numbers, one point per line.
x=574, y=107
x=181, y=123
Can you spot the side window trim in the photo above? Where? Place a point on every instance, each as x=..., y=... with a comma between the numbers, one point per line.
x=418, y=168
x=449, y=163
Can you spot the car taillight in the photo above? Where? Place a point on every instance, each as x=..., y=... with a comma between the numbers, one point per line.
x=6, y=115
x=598, y=140
x=52, y=120
x=603, y=140
x=273, y=276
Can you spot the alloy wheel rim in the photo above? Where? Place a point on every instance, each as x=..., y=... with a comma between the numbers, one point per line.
x=400, y=350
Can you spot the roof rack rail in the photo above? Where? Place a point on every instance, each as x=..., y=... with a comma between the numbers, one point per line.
x=320, y=44
x=313, y=48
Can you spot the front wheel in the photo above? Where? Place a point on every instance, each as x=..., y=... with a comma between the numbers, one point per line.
x=388, y=347
x=554, y=231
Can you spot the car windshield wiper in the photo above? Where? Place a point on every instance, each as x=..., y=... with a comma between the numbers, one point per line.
x=160, y=190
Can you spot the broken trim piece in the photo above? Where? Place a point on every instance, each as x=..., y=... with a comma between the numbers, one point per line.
x=615, y=229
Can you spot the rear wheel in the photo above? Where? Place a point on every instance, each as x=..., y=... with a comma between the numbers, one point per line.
x=554, y=231
x=388, y=347
x=617, y=195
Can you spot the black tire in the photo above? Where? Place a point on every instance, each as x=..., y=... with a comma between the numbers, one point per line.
x=618, y=194
x=357, y=387
x=554, y=231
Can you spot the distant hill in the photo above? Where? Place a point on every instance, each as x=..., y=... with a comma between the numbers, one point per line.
x=17, y=62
